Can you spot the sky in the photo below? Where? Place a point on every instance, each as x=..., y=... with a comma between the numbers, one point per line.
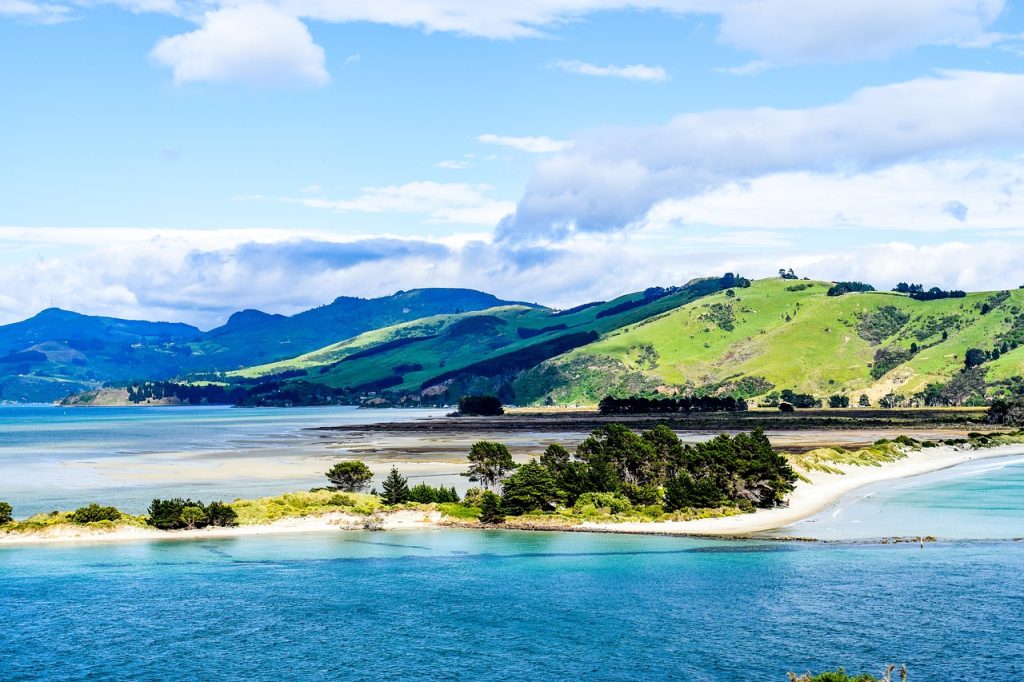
x=184, y=159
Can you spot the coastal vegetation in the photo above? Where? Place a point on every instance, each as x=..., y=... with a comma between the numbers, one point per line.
x=177, y=513
x=620, y=470
x=352, y=477
x=615, y=475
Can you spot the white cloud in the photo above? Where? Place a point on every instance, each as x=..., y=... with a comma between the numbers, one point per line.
x=612, y=177
x=35, y=12
x=451, y=164
x=637, y=72
x=260, y=41
x=255, y=44
x=920, y=196
x=751, y=68
x=532, y=145
x=793, y=31
x=202, y=276
x=439, y=202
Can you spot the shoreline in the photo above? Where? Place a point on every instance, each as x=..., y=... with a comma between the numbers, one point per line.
x=808, y=499
x=824, y=490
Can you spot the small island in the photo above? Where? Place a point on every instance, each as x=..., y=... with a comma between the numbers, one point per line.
x=616, y=480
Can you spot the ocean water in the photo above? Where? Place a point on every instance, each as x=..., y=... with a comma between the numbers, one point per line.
x=982, y=499
x=507, y=605
x=60, y=458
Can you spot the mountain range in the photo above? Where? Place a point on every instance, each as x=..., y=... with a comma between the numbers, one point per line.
x=712, y=336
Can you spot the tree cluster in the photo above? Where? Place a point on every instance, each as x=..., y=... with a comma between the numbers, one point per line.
x=427, y=494
x=177, y=513
x=801, y=400
x=209, y=394
x=649, y=468
x=92, y=513
x=918, y=292
x=1006, y=412
x=480, y=406
x=6, y=513
x=639, y=405
x=840, y=288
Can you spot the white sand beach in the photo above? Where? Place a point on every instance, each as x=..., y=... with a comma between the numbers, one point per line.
x=823, y=490
x=397, y=520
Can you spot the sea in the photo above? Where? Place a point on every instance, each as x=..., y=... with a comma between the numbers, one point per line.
x=510, y=605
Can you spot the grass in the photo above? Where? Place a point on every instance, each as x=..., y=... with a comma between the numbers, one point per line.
x=808, y=341
x=42, y=522
x=300, y=504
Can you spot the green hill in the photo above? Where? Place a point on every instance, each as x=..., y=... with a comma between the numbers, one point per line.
x=785, y=334
x=58, y=352
x=441, y=357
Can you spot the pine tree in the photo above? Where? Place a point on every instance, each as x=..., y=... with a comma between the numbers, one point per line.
x=490, y=508
x=396, y=488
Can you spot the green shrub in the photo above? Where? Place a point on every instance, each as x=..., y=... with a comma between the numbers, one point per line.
x=613, y=502
x=6, y=511
x=340, y=500
x=93, y=512
x=220, y=514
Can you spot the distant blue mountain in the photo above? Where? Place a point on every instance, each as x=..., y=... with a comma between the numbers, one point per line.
x=58, y=352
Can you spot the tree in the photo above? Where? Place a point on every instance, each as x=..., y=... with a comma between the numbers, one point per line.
x=683, y=491
x=350, y=477
x=838, y=401
x=1007, y=413
x=480, y=405
x=6, y=512
x=633, y=458
x=396, y=488
x=166, y=514
x=555, y=458
x=489, y=464
x=94, y=512
x=974, y=357
x=864, y=400
x=220, y=514
x=530, y=488
x=490, y=508
x=193, y=517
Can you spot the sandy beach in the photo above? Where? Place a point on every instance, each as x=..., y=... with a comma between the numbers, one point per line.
x=398, y=520
x=809, y=498
x=823, y=490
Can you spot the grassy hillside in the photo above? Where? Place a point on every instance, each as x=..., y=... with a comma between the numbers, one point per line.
x=58, y=352
x=781, y=334
x=443, y=356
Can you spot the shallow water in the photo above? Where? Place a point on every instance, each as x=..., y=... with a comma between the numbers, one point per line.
x=981, y=499
x=507, y=605
x=59, y=458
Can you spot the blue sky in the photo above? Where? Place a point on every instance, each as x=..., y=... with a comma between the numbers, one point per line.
x=158, y=154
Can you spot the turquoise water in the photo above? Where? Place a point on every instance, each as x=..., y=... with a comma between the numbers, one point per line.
x=977, y=500
x=48, y=454
x=507, y=605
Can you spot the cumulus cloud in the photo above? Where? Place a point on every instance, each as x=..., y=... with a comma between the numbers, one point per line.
x=201, y=277
x=439, y=202
x=532, y=145
x=796, y=31
x=35, y=12
x=636, y=72
x=611, y=177
x=260, y=42
x=907, y=196
x=255, y=44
